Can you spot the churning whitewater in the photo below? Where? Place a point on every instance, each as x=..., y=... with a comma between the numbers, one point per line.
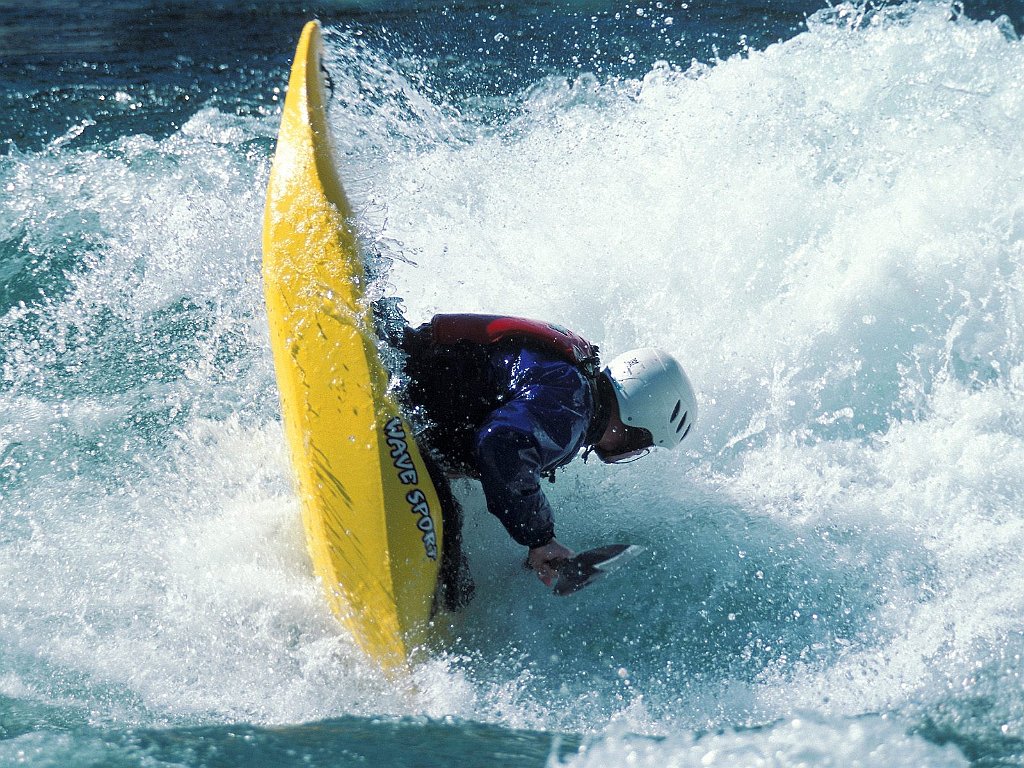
x=828, y=232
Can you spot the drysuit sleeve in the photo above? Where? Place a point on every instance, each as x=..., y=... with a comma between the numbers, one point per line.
x=540, y=428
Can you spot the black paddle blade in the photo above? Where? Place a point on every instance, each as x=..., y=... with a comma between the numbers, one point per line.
x=575, y=573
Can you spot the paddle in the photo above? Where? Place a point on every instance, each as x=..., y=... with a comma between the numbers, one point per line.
x=574, y=573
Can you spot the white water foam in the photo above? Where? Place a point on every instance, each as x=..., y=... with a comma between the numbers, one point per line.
x=799, y=741
x=829, y=234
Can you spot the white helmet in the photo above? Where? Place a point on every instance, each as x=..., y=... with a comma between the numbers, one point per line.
x=654, y=394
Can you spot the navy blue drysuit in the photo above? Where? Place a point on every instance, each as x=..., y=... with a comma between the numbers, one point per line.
x=505, y=413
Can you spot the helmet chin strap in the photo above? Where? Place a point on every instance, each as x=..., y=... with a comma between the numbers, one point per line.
x=627, y=458
x=608, y=411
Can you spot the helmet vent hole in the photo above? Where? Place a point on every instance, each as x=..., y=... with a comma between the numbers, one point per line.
x=682, y=423
x=683, y=437
x=675, y=412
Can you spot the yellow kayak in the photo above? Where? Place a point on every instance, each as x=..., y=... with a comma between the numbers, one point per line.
x=371, y=515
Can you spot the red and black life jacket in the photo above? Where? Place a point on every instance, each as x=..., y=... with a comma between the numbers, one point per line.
x=485, y=330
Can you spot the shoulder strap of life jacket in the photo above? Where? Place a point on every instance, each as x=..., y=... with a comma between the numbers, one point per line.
x=491, y=329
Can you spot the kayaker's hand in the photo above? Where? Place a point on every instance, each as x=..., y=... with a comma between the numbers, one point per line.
x=541, y=558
